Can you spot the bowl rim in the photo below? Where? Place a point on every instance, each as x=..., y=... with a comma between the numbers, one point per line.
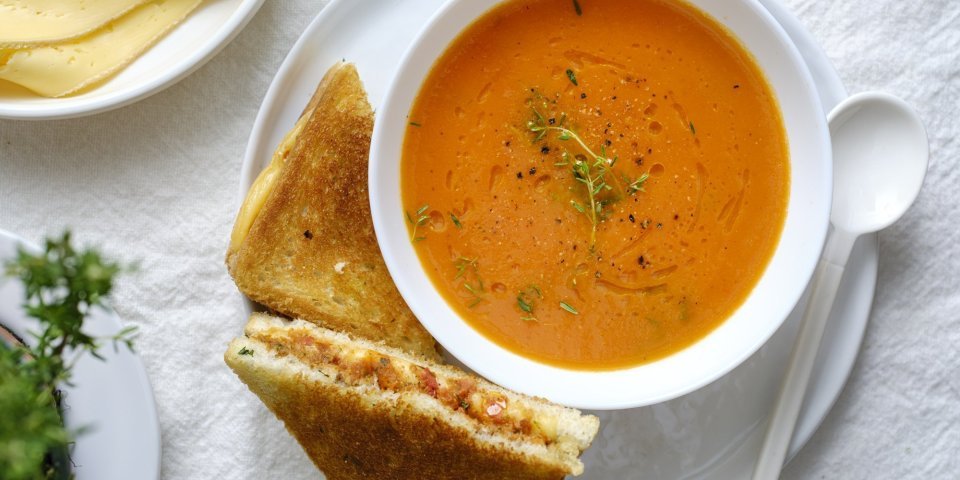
x=586, y=388
x=100, y=99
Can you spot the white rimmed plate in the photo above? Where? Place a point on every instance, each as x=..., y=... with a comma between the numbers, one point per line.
x=112, y=398
x=184, y=49
x=711, y=433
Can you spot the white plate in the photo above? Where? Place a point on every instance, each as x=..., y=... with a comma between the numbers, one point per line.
x=112, y=397
x=711, y=433
x=184, y=49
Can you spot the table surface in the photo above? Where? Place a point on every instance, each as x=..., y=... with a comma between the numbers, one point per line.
x=156, y=182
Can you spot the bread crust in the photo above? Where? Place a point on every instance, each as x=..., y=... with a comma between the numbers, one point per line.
x=362, y=431
x=349, y=437
x=311, y=252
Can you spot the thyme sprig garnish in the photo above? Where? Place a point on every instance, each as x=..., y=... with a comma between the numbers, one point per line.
x=527, y=300
x=469, y=270
x=637, y=185
x=418, y=221
x=590, y=170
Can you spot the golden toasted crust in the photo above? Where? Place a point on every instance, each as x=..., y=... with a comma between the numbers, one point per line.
x=347, y=437
x=363, y=432
x=311, y=252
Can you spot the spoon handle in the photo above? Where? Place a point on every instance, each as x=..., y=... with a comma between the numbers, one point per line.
x=826, y=281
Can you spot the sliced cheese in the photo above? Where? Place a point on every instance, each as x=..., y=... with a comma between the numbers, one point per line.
x=61, y=69
x=28, y=23
x=263, y=185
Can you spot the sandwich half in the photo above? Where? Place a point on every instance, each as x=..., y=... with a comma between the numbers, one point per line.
x=303, y=243
x=363, y=410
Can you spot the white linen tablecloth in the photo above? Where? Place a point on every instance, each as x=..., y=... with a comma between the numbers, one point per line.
x=157, y=182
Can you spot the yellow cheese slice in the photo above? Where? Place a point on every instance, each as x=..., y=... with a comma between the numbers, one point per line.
x=61, y=69
x=28, y=23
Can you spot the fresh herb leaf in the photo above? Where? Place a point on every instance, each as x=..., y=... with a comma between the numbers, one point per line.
x=32, y=434
x=637, y=185
x=455, y=220
x=590, y=170
x=417, y=221
x=245, y=351
x=572, y=76
x=566, y=306
x=463, y=264
x=526, y=307
x=415, y=124
x=526, y=300
x=693, y=130
x=576, y=8
x=62, y=287
x=469, y=270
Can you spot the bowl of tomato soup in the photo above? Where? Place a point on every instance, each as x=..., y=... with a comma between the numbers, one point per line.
x=606, y=203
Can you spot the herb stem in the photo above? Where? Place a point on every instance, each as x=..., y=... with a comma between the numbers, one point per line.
x=591, y=170
x=593, y=181
x=566, y=133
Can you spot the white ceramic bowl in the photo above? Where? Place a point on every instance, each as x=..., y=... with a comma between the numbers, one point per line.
x=175, y=56
x=733, y=341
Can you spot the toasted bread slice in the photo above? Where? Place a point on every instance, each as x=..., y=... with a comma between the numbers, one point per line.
x=366, y=411
x=303, y=244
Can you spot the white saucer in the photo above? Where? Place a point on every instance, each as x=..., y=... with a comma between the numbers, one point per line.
x=711, y=433
x=188, y=46
x=112, y=397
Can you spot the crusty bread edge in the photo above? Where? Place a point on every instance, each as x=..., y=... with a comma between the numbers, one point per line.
x=233, y=251
x=571, y=424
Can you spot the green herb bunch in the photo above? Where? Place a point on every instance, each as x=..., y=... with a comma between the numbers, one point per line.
x=62, y=287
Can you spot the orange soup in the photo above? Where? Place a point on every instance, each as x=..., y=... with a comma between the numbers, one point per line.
x=595, y=184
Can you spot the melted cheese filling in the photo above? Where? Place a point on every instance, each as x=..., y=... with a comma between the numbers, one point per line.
x=357, y=367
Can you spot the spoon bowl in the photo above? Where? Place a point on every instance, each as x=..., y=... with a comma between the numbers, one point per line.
x=871, y=134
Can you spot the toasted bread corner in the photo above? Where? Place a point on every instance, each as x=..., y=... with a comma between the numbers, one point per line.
x=310, y=250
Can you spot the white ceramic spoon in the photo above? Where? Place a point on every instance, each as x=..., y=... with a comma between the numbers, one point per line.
x=880, y=154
